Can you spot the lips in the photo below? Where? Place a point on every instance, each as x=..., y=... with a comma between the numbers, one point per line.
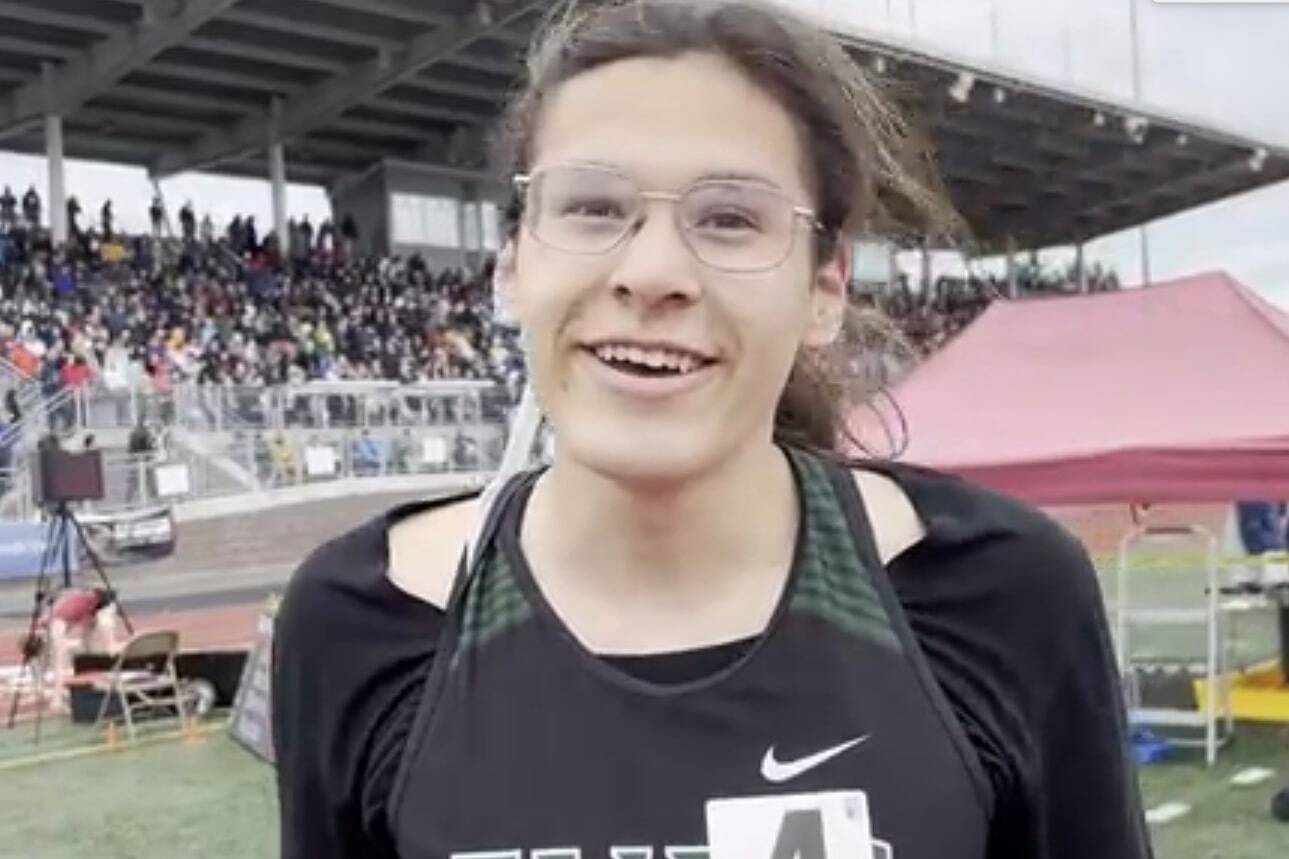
x=648, y=371
x=654, y=358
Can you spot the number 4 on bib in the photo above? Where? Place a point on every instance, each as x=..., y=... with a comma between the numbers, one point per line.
x=831, y=825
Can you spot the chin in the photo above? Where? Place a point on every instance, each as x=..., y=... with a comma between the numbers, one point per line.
x=646, y=457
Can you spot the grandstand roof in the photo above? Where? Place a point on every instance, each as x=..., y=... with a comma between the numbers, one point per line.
x=175, y=85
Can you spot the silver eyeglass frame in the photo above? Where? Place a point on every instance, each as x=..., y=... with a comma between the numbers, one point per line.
x=523, y=181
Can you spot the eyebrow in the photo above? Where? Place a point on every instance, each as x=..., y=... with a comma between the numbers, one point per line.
x=715, y=175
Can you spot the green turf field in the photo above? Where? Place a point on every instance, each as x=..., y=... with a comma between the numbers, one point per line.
x=207, y=799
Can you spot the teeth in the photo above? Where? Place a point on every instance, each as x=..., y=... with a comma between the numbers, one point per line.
x=656, y=359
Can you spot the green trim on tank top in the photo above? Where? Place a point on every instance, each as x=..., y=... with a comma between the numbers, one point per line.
x=494, y=603
x=833, y=584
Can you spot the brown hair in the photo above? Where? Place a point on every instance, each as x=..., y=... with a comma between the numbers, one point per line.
x=870, y=174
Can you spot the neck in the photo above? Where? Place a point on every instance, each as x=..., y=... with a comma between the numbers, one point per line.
x=590, y=531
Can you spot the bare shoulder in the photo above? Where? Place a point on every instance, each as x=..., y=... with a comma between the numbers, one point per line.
x=895, y=522
x=425, y=548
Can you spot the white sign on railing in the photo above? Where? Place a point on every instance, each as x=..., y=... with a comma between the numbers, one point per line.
x=320, y=461
x=172, y=480
x=434, y=451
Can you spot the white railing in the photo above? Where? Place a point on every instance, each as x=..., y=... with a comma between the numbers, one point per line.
x=314, y=405
x=271, y=460
x=224, y=440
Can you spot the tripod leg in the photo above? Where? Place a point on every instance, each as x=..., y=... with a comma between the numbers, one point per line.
x=38, y=603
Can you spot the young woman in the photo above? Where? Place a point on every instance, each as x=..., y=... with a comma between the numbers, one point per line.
x=698, y=633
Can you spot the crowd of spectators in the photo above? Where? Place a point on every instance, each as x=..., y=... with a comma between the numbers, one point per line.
x=928, y=318
x=227, y=308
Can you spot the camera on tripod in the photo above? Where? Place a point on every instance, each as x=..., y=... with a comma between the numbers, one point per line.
x=60, y=478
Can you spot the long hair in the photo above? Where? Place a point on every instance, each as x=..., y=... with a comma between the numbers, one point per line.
x=870, y=173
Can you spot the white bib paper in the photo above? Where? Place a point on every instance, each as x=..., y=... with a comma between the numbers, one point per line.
x=832, y=825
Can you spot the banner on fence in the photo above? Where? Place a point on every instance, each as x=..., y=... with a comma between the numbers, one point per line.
x=23, y=547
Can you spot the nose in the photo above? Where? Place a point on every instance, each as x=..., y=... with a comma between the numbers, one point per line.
x=654, y=266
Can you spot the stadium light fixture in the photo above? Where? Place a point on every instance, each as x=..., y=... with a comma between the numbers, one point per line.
x=879, y=64
x=1136, y=126
x=483, y=10
x=960, y=90
x=1098, y=119
x=1000, y=95
x=1258, y=160
x=1183, y=139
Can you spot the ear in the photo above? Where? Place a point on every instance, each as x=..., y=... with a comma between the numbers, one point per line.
x=828, y=299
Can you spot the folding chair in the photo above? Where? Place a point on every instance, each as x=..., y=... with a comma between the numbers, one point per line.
x=143, y=678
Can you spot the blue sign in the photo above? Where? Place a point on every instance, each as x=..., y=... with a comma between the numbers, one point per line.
x=22, y=549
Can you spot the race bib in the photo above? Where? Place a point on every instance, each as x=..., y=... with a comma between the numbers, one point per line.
x=832, y=825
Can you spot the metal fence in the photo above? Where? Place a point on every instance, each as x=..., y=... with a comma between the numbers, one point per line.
x=269, y=460
x=314, y=405
x=226, y=440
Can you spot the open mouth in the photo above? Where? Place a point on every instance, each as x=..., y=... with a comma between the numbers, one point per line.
x=649, y=362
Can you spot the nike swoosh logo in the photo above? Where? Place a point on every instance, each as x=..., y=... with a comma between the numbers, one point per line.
x=778, y=772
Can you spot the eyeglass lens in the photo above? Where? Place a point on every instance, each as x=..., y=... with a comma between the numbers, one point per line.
x=734, y=225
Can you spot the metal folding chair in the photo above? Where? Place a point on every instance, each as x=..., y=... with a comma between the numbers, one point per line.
x=143, y=679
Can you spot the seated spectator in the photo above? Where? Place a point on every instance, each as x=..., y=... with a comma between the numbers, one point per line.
x=368, y=459
x=286, y=470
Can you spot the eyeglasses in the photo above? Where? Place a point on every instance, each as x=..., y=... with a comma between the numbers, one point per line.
x=732, y=225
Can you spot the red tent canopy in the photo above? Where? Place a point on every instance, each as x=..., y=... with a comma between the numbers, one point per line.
x=1178, y=392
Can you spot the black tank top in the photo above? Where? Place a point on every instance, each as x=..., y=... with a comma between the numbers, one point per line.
x=527, y=746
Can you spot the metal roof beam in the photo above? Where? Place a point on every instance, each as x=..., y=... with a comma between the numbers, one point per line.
x=238, y=80
x=321, y=104
x=426, y=111
x=488, y=66
x=89, y=73
x=441, y=86
x=311, y=29
x=181, y=100
x=324, y=148
x=510, y=37
x=139, y=119
x=1176, y=187
x=387, y=9
x=30, y=48
x=274, y=56
x=377, y=128
x=51, y=18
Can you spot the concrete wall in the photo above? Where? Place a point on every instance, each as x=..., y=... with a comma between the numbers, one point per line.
x=370, y=200
x=366, y=200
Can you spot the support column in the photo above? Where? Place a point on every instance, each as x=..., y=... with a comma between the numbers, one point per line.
x=1013, y=287
x=277, y=177
x=1145, y=255
x=57, y=180
x=57, y=202
x=1080, y=269
x=925, y=262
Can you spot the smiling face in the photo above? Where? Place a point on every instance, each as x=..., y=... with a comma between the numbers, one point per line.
x=652, y=365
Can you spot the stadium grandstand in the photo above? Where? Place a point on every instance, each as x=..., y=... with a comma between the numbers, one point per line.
x=387, y=104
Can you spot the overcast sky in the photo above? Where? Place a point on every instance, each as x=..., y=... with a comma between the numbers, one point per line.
x=1222, y=64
